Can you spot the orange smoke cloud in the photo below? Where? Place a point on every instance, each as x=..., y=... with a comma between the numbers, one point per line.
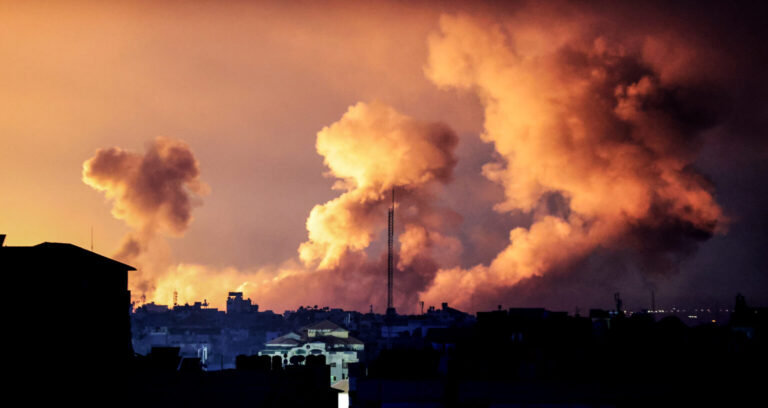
x=371, y=150
x=417, y=241
x=152, y=192
x=193, y=283
x=575, y=116
x=595, y=133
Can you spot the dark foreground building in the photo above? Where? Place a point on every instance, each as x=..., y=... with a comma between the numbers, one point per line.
x=75, y=306
x=69, y=328
x=70, y=334
x=70, y=344
x=534, y=358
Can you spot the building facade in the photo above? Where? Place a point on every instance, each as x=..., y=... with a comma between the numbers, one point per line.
x=323, y=338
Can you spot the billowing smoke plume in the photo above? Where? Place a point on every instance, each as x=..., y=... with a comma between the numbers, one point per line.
x=153, y=192
x=596, y=118
x=371, y=150
x=595, y=136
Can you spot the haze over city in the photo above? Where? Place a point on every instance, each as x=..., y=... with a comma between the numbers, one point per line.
x=541, y=153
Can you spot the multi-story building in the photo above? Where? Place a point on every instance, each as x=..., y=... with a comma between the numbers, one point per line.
x=322, y=338
x=76, y=307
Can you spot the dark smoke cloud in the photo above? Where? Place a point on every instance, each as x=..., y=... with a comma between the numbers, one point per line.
x=619, y=137
x=153, y=192
x=598, y=116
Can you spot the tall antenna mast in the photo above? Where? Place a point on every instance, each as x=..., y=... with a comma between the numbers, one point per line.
x=390, y=263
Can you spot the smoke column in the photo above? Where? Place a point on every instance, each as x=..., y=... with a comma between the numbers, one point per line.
x=582, y=121
x=370, y=150
x=596, y=116
x=152, y=192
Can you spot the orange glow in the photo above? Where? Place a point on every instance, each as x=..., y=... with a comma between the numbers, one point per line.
x=372, y=149
x=302, y=117
x=563, y=120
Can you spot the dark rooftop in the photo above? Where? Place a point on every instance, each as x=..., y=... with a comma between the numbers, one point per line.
x=60, y=253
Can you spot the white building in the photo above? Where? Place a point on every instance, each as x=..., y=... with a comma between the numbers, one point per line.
x=326, y=338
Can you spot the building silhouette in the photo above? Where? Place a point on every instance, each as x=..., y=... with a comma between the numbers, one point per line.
x=72, y=325
x=73, y=301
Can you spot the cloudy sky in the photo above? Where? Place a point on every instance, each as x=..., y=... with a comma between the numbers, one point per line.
x=543, y=154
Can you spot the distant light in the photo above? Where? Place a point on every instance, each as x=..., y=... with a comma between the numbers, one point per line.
x=343, y=400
